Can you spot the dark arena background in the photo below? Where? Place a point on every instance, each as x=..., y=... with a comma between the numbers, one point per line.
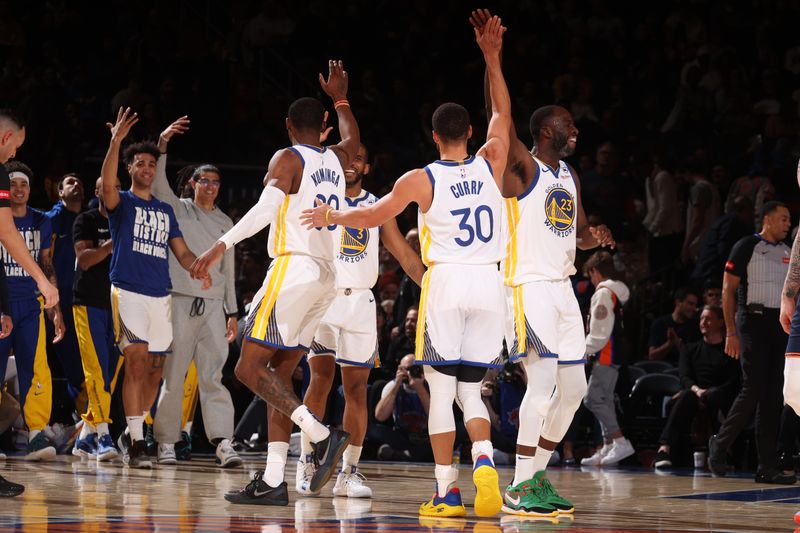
x=688, y=114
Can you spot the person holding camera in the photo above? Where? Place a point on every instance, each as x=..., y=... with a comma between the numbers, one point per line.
x=406, y=400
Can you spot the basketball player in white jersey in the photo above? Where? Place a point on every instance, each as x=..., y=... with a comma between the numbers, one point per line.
x=546, y=222
x=462, y=308
x=299, y=286
x=348, y=333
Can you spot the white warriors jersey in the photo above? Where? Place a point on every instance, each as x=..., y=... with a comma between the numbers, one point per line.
x=323, y=178
x=464, y=224
x=357, y=256
x=541, y=221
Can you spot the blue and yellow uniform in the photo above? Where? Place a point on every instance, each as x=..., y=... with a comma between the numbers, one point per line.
x=67, y=349
x=94, y=323
x=29, y=334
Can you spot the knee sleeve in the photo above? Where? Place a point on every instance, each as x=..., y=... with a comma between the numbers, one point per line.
x=791, y=383
x=570, y=390
x=541, y=381
x=469, y=396
x=443, y=390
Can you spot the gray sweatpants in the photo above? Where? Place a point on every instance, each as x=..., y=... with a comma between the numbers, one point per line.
x=202, y=338
x=600, y=398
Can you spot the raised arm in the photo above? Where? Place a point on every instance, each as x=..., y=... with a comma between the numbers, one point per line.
x=398, y=246
x=161, y=188
x=490, y=40
x=119, y=130
x=413, y=186
x=336, y=87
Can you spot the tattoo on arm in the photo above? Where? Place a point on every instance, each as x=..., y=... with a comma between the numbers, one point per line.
x=792, y=284
x=49, y=271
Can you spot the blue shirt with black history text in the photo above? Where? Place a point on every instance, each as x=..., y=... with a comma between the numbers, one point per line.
x=141, y=231
x=37, y=233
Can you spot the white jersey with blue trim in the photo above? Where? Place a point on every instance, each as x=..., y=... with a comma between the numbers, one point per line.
x=323, y=178
x=357, y=257
x=464, y=223
x=542, y=228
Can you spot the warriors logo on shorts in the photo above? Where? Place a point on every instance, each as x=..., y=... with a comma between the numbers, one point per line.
x=354, y=244
x=559, y=209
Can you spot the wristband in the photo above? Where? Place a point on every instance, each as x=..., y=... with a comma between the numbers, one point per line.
x=327, y=214
x=341, y=103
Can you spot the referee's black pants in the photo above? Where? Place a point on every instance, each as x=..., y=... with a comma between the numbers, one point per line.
x=762, y=352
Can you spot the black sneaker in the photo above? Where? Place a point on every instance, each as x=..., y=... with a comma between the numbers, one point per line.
x=10, y=489
x=150, y=440
x=786, y=462
x=137, y=456
x=717, y=462
x=326, y=456
x=775, y=477
x=257, y=492
x=662, y=460
x=183, y=448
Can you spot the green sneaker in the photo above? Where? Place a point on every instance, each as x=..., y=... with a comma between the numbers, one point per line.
x=527, y=499
x=550, y=495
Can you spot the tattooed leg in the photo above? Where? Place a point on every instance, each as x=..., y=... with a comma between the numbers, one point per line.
x=253, y=370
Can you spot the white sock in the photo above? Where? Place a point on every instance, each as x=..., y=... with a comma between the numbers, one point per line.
x=309, y=424
x=276, y=462
x=541, y=459
x=188, y=427
x=135, y=427
x=351, y=456
x=523, y=471
x=32, y=434
x=86, y=430
x=482, y=447
x=102, y=428
x=620, y=440
x=446, y=477
x=305, y=444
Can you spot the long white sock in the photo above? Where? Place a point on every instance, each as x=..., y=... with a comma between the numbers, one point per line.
x=352, y=454
x=541, y=459
x=309, y=424
x=86, y=430
x=276, y=463
x=482, y=447
x=523, y=470
x=305, y=444
x=135, y=427
x=102, y=428
x=446, y=477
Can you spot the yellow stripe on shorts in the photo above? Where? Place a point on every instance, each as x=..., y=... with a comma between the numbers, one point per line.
x=419, y=345
x=519, y=319
x=270, y=296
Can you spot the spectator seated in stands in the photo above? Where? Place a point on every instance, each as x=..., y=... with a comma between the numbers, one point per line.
x=710, y=381
x=669, y=332
x=406, y=401
x=401, y=344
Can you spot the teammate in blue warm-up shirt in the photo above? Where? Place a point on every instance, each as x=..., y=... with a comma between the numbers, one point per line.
x=143, y=230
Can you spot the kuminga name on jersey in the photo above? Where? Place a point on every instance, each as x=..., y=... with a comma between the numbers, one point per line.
x=323, y=179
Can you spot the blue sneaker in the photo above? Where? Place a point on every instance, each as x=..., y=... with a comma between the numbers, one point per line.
x=87, y=447
x=106, y=451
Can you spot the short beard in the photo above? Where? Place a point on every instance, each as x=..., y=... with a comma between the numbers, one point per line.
x=561, y=145
x=356, y=180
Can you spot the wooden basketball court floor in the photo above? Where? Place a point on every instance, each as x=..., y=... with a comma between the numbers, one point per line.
x=72, y=495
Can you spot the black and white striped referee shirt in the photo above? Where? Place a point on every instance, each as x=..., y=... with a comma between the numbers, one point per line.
x=762, y=267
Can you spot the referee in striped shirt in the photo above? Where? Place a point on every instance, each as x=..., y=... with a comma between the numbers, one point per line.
x=751, y=291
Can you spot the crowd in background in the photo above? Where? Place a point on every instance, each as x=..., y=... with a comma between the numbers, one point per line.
x=688, y=112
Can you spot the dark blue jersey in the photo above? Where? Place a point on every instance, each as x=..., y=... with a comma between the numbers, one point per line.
x=37, y=233
x=62, y=220
x=141, y=231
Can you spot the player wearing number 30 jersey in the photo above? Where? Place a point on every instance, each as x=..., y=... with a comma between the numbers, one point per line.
x=460, y=327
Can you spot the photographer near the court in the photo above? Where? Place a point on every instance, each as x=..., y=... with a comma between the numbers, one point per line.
x=405, y=400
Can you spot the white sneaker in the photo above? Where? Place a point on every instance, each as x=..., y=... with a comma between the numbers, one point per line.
x=594, y=460
x=620, y=449
x=305, y=471
x=226, y=455
x=166, y=454
x=351, y=484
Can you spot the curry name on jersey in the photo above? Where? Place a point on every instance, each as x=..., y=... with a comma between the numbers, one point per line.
x=464, y=222
x=322, y=179
x=542, y=227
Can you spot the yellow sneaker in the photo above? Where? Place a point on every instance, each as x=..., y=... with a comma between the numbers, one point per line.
x=488, y=500
x=448, y=506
